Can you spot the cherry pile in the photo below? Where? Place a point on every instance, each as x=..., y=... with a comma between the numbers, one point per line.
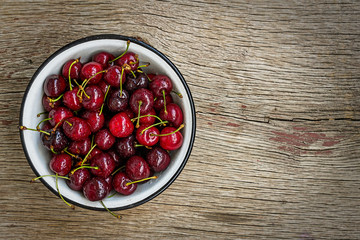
x=109, y=125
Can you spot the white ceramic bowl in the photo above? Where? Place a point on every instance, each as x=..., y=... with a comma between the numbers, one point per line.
x=38, y=157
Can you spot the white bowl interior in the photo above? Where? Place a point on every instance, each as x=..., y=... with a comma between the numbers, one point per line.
x=40, y=157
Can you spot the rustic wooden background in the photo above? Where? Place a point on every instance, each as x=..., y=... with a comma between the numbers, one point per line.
x=276, y=86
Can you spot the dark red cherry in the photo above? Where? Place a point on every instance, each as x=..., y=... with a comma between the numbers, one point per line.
x=125, y=147
x=137, y=168
x=141, y=97
x=105, y=163
x=96, y=189
x=76, y=129
x=119, y=184
x=75, y=69
x=113, y=75
x=80, y=147
x=159, y=84
x=78, y=179
x=120, y=125
x=89, y=70
x=159, y=102
x=71, y=100
x=49, y=105
x=59, y=114
x=103, y=86
x=104, y=139
x=56, y=140
x=129, y=61
x=158, y=159
x=173, y=114
x=117, y=102
x=93, y=153
x=149, y=120
x=94, y=119
x=54, y=86
x=147, y=137
x=172, y=141
x=113, y=153
x=139, y=81
x=151, y=76
x=103, y=58
x=129, y=112
x=61, y=164
x=96, y=98
x=109, y=180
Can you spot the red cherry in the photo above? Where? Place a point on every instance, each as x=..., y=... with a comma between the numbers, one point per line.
x=71, y=100
x=113, y=75
x=95, y=121
x=80, y=147
x=149, y=119
x=158, y=159
x=119, y=184
x=59, y=115
x=173, y=114
x=103, y=58
x=159, y=102
x=129, y=61
x=172, y=141
x=89, y=70
x=120, y=125
x=96, y=189
x=78, y=179
x=105, y=163
x=147, y=137
x=104, y=139
x=137, y=168
x=75, y=69
x=76, y=129
x=142, y=98
x=54, y=86
x=160, y=84
x=61, y=164
x=96, y=98
x=49, y=105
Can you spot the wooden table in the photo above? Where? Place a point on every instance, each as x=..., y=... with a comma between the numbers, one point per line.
x=276, y=86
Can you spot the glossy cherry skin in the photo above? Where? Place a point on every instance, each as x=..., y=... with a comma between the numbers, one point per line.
x=105, y=163
x=125, y=147
x=94, y=119
x=89, y=70
x=137, y=168
x=139, y=81
x=96, y=98
x=148, y=137
x=54, y=85
x=75, y=69
x=159, y=84
x=57, y=139
x=80, y=147
x=129, y=59
x=113, y=75
x=103, y=58
x=49, y=105
x=61, y=164
x=159, y=102
x=119, y=184
x=109, y=180
x=78, y=179
x=117, y=102
x=71, y=100
x=173, y=114
x=104, y=139
x=59, y=114
x=113, y=153
x=158, y=159
x=172, y=141
x=147, y=101
x=120, y=125
x=148, y=120
x=93, y=153
x=96, y=189
x=77, y=130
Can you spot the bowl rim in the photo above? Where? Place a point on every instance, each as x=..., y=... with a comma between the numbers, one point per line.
x=145, y=45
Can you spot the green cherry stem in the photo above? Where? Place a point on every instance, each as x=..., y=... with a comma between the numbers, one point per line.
x=56, y=99
x=70, y=154
x=167, y=134
x=106, y=93
x=87, y=155
x=127, y=47
x=146, y=65
x=156, y=124
x=37, y=178
x=133, y=119
x=177, y=93
x=112, y=195
x=39, y=114
x=31, y=129
x=137, y=60
x=117, y=170
x=163, y=92
x=138, y=117
x=115, y=215
x=52, y=150
x=132, y=72
x=57, y=188
x=76, y=61
x=83, y=166
x=141, y=180
x=44, y=120
x=121, y=76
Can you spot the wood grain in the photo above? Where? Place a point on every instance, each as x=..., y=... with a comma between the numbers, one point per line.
x=276, y=87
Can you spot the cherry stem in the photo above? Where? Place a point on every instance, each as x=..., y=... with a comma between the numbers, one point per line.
x=137, y=60
x=57, y=188
x=160, y=123
x=132, y=72
x=39, y=114
x=121, y=76
x=56, y=99
x=76, y=61
x=87, y=155
x=92, y=140
x=133, y=119
x=44, y=120
x=52, y=150
x=72, y=155
x=83, y=166
x=141, y=180
x=138, y=117
x=115, y=215
x=167, y=134
x=68, y=123
x=86, y=81
x=139, y=145
x=148, y=77
x=163, y=92
x=37, y=178
x=106, y=93
x=112, y=195
x=127, y=47
x=117, y=170
x=177, y=93
x=31, y=129
x=146, y=65
x=56, y=126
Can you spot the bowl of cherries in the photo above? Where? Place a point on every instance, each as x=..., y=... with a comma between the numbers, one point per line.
x=107, y=122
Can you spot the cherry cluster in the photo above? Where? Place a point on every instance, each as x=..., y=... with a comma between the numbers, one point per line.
x=109, y=125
